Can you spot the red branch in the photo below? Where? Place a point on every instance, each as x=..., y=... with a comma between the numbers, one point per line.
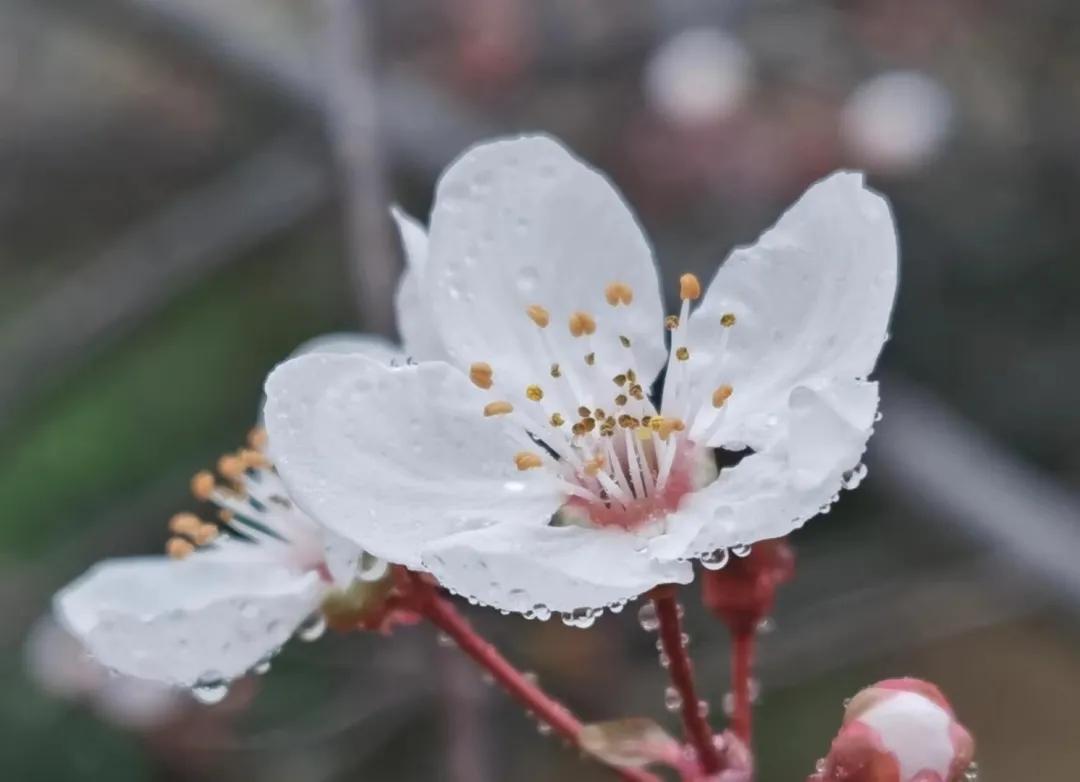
x=742, y=660
x=443, y=615
x=696, y=726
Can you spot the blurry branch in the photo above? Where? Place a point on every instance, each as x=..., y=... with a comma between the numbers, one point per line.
x=143, y=268
x=935, y=461
x=351, y=118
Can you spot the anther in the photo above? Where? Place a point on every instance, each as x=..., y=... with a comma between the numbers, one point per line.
x=727, y=320
x=178, y=548
x=590, y=358
x=253, y=459
x=526, y=460
x=689, y=287
x=480, y=372
x=538, y=315
x=231, y=467
x=498, y=408
x=619, y=380
x=631, y=375
x=205, y=534
x=683, y=353
x=621, y=400
x=671, y=322
x=637, y=392
x=721, y=394
x=627, y=421
x=555, y=371
x=557, y=419
x=257, y=438
x=594, y=465
x=588, y=424
x=599, y=414
x=202, y=485
x=624, y=340
x=534, y=392
x=582, y=323
x=184, y=524
x=584, y=412
x=618, y=293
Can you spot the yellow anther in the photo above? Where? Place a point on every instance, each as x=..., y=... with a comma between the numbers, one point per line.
x=689, y=287
x=480, y=372
x=665, y=426
x=624, y=340
x=526, y=460
x=498, y=408
x=631, y=375
x=590, y=358
x=588, y=424
x=727, y=320
x=253, y=459
x=555, y=371
x=721, y=394
x=578, y=429
x=231, y=466
x=594, y=465
x=205, y=534
x=538, y=315
x=178, y=548
x=637, y=392
x=643, y=433
x=671, y=322
x=534, y=392
x=557, y=419
x=599, y=414
x=618, y=293
x=582, y=323
x=627, y=421
x=257, y=438
x=619, y=380
x=646, y=420
x=682, y=353
x=225, y=515
x=584, y=412
x=202, y=485
x=184, y=524
x=621, y=400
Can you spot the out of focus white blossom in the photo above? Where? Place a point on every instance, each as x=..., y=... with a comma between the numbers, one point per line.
x=697, y=76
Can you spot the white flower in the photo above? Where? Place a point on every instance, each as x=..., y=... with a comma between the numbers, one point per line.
x=231, y=591
x=533, y=471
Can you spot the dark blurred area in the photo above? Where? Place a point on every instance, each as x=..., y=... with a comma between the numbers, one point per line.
x=191, y=188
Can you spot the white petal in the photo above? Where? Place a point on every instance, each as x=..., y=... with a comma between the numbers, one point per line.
x=529, y=569
x=916, y=730
x=394, y=459
x=769, y=494
x=186, y=622
x=522, y=222
x=414, y=315
x=811, y=299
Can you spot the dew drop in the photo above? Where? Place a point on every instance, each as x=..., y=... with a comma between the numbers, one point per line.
x=852, y=478
x=702, y=709
x=715, y=560
x=766, y=625
x=740, y=550
x=672, y=699
x=665, y=661
x=527, y=279
x=819, y=767
x=442, y=639
x=972, y=773
x=313, y=628
x=262, y=667
x=543, y=728
x=728, y=703
x=581, y=617
x=211, y=688
x=647, y=617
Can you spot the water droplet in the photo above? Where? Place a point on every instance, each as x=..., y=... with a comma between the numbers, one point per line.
x=527, y=278
x=531, y=677
x=740, y=550
x=972, y=773
x=684, y=639
x=766, y=625
x=312, y=629
x=852, y=478
x=665, y=661
x=442, y=639
x=262, y=667
x=543, y=728
x=211, y=688
x=647, y=617
x=541, y=612
x=728, y=703
x=672, y=699
x=581, y=617
x=702, y=709
x=847, y=702
x=715, y=560
x=819, y=767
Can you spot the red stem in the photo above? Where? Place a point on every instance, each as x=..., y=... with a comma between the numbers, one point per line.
x=443, y=615
x=695, y=725
x=742, y=660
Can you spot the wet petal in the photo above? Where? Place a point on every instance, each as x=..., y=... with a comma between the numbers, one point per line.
x=538, y=569
x=186, y=622
x=422, y=342
x=395, y=458
x=810, y=302
x=521, y=223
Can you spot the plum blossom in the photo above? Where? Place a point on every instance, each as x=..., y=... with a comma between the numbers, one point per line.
x=525, y=460
x=230, y=592
x=898, y=730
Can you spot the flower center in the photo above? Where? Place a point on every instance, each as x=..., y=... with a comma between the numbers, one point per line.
x=621, y=462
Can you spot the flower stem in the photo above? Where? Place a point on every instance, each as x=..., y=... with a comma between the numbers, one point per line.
x=742, y=661
x=443, y=615
x=695, y=724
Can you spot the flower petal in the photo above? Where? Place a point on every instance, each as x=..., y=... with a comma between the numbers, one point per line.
x=394, y=458
x=541, y=569
x=771, y=493
x=415, y=323
x=811, y=302
x=189, y=622
x=522, y=222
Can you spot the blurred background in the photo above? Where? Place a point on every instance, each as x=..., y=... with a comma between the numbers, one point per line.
x=191, y=188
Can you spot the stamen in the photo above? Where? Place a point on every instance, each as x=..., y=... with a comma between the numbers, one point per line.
x=178, y=548
x=231, y=467
x=683, y=354
x=594, y=465
x=526, y=460
x=637, y=392
x=618, y=293
x=557, y=419
x=184, y=524
x=206, y=533
x=582, y=323
x=202, y=485
x=540, y=316
x=534, y=392
x=671, y=322
x=619, y=380
x=727, y=320
x=590, y=358
x=257, y=438
x=555, y=371
x=721, y=395
x=480, y=373
x=498, y=408
x=689, y=287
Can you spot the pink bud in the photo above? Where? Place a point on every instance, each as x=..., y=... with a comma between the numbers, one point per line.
x=899, y=730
